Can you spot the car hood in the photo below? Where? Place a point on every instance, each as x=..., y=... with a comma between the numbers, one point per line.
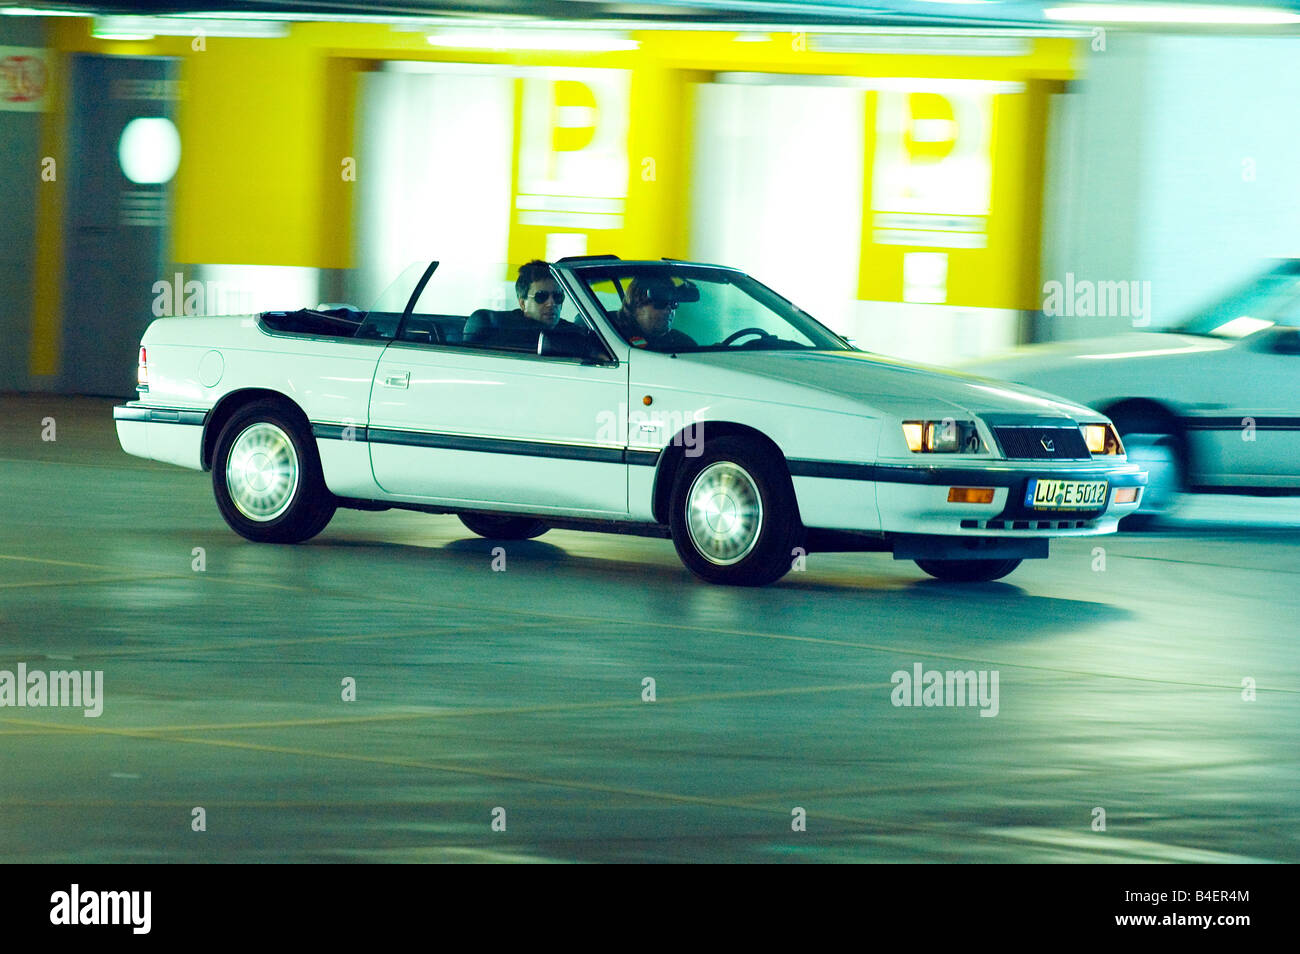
x=891, y=385
x=1093, y=352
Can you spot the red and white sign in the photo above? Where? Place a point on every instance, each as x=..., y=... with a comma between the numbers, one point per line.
x=24, y=78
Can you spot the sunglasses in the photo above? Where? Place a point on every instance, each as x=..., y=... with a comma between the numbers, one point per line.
x=543, y=297
x=662, y=298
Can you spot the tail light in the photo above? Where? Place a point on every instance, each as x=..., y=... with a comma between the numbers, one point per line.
x=142, y=373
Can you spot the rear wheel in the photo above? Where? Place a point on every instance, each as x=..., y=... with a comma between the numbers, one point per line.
x=968, y=571
x=503, y=528
x=267, y=478
x=733, y=514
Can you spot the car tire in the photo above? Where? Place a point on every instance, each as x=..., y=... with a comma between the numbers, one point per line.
x=503, y=528
x=1162, y=454
x=733, y=514
x=267, y=477
x=968, y=571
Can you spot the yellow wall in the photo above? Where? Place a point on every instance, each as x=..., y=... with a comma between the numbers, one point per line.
x=47, y=288
x=249, y=188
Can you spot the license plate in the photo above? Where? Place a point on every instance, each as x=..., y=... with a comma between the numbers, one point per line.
x=1044, y=494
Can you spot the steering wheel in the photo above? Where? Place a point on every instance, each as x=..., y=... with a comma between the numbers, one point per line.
x=742, y=332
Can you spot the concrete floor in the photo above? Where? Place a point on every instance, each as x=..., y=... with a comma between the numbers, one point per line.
x=1119, y=689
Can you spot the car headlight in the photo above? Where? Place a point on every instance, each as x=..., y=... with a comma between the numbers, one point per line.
x=942, y=437
x=1101, y=439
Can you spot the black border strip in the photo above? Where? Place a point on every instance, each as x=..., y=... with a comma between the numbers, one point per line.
x=339, y=432
x=495, y=445
x=641, y=458
x=160, y=415
x=879, y=473
x=486, y=445
x=1236, y=423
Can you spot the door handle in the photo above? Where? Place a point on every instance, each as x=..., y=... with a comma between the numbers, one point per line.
x=400, y=380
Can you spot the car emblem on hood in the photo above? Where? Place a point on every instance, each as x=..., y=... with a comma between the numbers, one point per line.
x=1048, y=445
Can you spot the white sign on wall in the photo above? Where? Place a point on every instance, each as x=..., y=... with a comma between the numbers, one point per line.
x=573, y=163
x=933, y=171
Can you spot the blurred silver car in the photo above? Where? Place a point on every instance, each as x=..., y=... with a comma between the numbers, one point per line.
x=1210, y=405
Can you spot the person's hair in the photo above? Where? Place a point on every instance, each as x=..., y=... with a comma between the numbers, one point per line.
x=638, y=289
x=636, y=294
x=534, y=271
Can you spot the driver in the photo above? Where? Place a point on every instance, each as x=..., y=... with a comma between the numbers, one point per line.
x=646, y=318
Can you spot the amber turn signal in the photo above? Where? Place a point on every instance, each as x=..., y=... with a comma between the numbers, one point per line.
x=977, y=495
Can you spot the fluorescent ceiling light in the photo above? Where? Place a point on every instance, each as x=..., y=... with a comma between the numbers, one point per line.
x=500, y=39
x=968, y=43
x=896, y=84
x=129, y=27
x=1171, y=13
x=304, y=17
x=34, y=12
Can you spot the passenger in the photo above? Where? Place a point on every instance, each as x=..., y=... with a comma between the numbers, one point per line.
x=646, y=318
x=539, y=298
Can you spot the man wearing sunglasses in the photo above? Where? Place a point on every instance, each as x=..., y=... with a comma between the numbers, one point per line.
x=539, y=310
x=646, y=318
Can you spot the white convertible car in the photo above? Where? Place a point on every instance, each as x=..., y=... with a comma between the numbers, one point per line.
x=658, y=397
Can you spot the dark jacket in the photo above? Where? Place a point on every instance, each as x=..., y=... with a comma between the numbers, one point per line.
x=508, y=329
x=671, y=340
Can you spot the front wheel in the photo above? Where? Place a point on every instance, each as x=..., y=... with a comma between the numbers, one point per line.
x=734, y=518
x=1161, y=455
x=968, y=571
x=267, y=478
x=503, y=528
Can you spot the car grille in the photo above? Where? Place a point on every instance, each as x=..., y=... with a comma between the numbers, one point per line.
x=1042, y=443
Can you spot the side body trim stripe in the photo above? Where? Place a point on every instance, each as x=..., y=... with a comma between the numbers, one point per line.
x=1126, y=475
x=486, y=445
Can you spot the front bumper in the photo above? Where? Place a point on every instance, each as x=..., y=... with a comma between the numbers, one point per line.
x=915, y=499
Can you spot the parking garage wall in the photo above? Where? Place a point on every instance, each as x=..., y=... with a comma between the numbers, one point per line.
x=271, y=169
x=1172, y=162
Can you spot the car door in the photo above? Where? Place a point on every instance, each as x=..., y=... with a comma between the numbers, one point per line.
x=1244, y=426
x=490, y=427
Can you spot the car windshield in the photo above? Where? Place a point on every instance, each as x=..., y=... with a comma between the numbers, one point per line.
x=679, y=308
x=1270, y=299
